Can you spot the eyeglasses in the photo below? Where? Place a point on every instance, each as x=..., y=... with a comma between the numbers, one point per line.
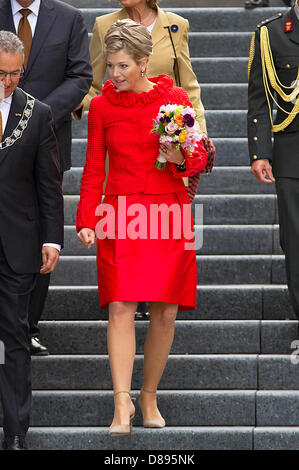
x=13, y=75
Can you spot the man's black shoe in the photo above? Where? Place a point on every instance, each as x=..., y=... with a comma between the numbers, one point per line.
x=256, y=3
x=14, y=443
x=36, y=348
x=142, y=316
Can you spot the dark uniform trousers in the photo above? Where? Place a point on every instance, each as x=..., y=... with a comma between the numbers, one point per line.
x=273, y=71
x=288, y=209
x=15, y=376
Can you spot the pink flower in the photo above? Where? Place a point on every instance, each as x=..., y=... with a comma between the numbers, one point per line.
x=171, y=128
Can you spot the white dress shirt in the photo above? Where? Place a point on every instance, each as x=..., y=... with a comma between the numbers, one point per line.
x=32, y=18
x=5, y=109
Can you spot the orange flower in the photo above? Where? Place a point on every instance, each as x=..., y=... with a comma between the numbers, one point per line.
x=179, y=120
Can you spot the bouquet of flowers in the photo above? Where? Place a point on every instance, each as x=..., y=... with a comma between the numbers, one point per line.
x=176, y=125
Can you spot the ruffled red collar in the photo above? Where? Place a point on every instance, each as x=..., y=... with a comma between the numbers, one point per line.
x=129, y=99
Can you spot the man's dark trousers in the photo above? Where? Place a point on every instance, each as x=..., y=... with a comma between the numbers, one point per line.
x=288, y=207
x=15, y=374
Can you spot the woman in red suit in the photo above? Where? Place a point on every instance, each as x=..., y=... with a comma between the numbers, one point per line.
x=136, y=261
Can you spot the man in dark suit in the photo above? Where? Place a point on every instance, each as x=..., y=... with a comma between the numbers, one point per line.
x=31, y=210
x=58, y=73
x=273, y=76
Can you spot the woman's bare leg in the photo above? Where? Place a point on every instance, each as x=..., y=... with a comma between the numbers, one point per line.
x=121, y=348
x=156, y=351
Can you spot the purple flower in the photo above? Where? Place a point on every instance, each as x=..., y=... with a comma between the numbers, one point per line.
x=189, y=120
x=165, y=119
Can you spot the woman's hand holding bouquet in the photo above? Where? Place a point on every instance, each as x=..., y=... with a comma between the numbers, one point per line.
x=177, y=129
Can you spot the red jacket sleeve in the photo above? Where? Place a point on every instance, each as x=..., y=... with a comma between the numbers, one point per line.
x=194, y=164
x=197, y=162
x=94, y=172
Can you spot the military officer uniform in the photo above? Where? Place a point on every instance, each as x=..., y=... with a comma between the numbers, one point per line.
x=274, y=78
x=249, y=4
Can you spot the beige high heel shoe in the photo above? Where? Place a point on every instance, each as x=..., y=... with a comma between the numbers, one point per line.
x=122, y=429
x=151, y=423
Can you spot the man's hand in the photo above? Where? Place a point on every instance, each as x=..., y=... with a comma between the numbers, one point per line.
x=262, y=170
x=50, y=257
x=86, y=237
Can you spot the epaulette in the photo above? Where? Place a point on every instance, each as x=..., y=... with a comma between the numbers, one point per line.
x=268, y=20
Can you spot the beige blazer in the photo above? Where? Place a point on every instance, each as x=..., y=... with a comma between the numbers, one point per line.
x=161, y=61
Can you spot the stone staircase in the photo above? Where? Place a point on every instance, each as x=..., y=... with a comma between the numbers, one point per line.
x=229, y=382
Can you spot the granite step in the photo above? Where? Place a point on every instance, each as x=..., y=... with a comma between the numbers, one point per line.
x=230, y=152
x=280, y=372
x=203, y=19
x=221, y=123
x=175, y=438
x=223, y=180
x=276, y=438
x=234, y=209
x=224, y=96
x=221, y=69
x=216, y=240
x=179, y=408
x=212, y=269
x=217, y=96
x=214, y=371
x=211, y=44
x=92, y=372
x=277, y=408
x=192, y=337
x=239, y=346
x=214, y=302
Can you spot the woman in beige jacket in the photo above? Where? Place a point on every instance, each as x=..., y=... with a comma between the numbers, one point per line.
x=170, y=36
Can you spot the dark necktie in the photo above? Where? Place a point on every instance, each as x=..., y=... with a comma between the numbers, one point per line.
x=25, y=33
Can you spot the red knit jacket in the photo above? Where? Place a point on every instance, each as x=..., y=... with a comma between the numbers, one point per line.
x=121, y=123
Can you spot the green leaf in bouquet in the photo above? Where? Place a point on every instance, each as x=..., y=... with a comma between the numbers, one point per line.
x=161, y=128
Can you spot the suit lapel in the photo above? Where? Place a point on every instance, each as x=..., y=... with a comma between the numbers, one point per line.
x=6, y=18
x=44, y=23
x=160, y=28
x=15, y=113
x=293, y=35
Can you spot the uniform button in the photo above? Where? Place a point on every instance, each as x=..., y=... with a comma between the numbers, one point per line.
x=255, y=121
x=254, y=157
x=255, y=138
x=288, y=66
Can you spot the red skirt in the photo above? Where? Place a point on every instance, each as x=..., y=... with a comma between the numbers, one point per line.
x=144, y=254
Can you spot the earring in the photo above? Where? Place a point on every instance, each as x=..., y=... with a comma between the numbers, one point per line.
x=142, y=73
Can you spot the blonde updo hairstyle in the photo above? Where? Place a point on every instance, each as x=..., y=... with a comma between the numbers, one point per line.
x=131, y=36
